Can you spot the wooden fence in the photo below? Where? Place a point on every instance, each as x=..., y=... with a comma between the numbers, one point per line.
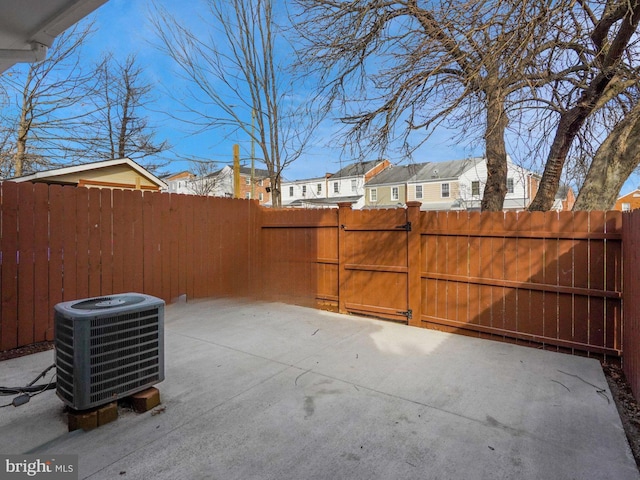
x=631, y=288
x=552, y=279
x=64, y=243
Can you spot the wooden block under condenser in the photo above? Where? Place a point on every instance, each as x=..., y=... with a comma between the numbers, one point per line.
x=145, y=400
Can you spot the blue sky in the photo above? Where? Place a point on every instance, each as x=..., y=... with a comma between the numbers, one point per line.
x=123, y=27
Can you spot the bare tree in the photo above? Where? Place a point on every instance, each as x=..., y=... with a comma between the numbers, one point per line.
x=119, y=126
x=615, y=160
x=45, y=106
x=205, y=180
x=236, y=78
x=601, y=38
x=401, y=67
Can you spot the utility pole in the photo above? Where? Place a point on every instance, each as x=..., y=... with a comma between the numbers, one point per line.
x=253, y=152
x=236, y=170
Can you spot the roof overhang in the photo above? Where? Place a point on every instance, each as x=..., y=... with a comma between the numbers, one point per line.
x=58, y=172
x=29, y=27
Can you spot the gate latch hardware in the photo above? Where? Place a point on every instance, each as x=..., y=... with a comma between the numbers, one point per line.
x=407, y=313
x=406, y=227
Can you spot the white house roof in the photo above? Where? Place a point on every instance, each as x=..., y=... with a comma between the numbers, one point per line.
x=304, y=181
x=28, y=27
x=90, y=166
x=396, y=174
x=356, y=169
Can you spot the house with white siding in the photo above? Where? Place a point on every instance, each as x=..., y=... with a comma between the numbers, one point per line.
x=459, y=185
x=257, y=185
x=346, y=185
x=309, y=190
x=179, y=182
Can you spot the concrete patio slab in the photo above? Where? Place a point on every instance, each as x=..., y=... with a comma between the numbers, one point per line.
x=272, y=391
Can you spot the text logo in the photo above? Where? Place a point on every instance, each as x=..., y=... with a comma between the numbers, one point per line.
x=50, y=467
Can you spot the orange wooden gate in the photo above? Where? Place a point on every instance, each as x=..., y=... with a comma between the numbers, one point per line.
x=374, y=263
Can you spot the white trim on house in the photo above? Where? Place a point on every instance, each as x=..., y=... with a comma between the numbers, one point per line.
x=85, y=167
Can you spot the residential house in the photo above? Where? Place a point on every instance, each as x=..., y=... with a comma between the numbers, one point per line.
x=350, y=180
x=223, y=184
x=628, y=202
x=389, y=187
x=565, y=198
x=346, y=185
x=180, y=182
x=308, y=192
x=459, y=185
x=119, y=173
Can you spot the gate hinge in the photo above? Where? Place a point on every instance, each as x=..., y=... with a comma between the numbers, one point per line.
x=406, y=226
x=408, y=314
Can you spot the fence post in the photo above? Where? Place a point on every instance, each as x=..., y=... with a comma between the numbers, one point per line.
x=631, y=290
x=344, y=215
x=256, y=259
x=414, y=266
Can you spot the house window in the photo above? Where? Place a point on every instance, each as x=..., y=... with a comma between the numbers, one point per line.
x=260, y=182
x=247, y=181
x=444, y=190
x=626, y=207
x=247, y=195
x=261, y=197
x=353, y=185
x=336, y=187
x=373, y=195
x=395, y=195
x=319, y=188
x=475, y=188
x=509, y=185
x=291, y=191
x=304, y=190
x=418, y=191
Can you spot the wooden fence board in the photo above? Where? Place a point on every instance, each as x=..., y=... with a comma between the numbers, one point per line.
x=82, y=243
x=165, y=241
x=149, y=246
x=94, y=240
x=9, y=290
x=56, y=247
x=120, y=241
x=199, y=219
x=43, y=327
x=136, y=248
x=106, y=242
x=188, y=245
x=26, y=242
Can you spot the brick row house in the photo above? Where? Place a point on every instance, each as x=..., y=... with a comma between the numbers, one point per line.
x=628, y=202
x=221, y=184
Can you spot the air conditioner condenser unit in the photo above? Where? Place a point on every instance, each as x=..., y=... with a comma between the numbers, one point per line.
x=108, y=348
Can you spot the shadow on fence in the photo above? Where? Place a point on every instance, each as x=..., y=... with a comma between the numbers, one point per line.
x=547, y=279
